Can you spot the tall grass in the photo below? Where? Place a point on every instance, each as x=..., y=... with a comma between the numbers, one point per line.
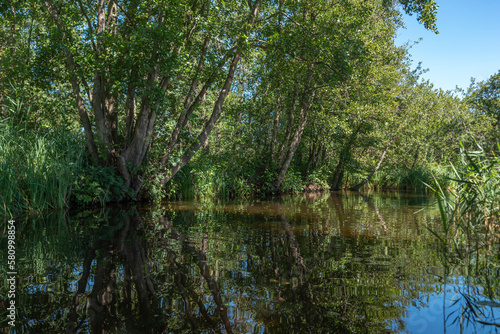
x=469, y=235
x=207, y=181
x=470, y=212
x=36, y=169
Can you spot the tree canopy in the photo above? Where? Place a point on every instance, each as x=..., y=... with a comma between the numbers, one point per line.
x=290, y=87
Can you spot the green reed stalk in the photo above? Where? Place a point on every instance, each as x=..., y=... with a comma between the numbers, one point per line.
x=36, y=170
x=470, y=212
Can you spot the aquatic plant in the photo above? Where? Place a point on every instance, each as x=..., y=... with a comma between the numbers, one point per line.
x=470, y=211
x=469, y=234
x=49, y=169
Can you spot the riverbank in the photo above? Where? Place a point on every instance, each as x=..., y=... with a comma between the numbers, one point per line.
x=50, y=170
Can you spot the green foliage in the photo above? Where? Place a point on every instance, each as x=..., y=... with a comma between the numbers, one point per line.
x=181, y=187
x=46, y=170
x=98, y=185
x=292, y=183
x=319, y=91
x=319, y=178
x=484, y=97
x=426, y=9
x=469, y=232
x=207, y=178
x=401, y=177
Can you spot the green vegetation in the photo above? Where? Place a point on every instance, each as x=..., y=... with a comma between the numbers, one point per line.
x=36, y=170
x=118, y=100
x=49, y=169
x=470, y=212
x=469, y=234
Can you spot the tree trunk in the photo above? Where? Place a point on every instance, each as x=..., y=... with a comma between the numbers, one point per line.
x=344, y=157
x=217, y=110
x=307, y=100
x=365, y=181
x=312, y=153
x=291, y=118
x=203, y=136
x=102, y=136
x=338, y=175
x=274, y=139
x=415, y=157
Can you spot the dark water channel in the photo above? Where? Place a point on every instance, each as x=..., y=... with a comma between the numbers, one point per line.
x=331, y=263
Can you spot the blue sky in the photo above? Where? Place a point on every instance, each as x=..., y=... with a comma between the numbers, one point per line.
x=468, y=43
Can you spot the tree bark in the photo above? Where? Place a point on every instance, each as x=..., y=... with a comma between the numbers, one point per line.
x=203, y=136
x=102, y=134
x=415, y=157
x=343, y=159
x=190, y=104
x=291, y=118
x=339, y=174
x=276, y=123
x=75, y=84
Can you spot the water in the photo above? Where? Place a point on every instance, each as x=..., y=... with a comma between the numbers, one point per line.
x=331, y=263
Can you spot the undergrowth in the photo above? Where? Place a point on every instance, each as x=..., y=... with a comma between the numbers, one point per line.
x=47, y=169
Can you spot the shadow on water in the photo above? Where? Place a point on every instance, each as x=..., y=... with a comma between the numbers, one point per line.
x=307, y=264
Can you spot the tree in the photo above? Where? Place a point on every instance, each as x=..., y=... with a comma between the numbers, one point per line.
x=124, y=58
x=310, y=51
x=484, y=97
x=138, y=72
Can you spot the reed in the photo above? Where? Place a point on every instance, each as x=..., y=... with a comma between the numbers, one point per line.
x=36, y=169
x=411, y=179
x=207, y=181
x=470, y=211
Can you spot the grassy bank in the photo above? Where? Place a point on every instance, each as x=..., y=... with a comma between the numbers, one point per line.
x=36, y=170
x=48, y=170
x=215, y=178
x=396, y=177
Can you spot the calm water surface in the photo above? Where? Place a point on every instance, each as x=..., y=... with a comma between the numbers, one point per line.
x=333, y=263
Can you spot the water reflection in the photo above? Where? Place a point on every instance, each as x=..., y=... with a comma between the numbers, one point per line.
x=108, y=301
x=329, y=264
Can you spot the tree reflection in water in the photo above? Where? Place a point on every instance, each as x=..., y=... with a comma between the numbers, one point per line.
x=126, y=251
x=335, y=264
x=286, y=277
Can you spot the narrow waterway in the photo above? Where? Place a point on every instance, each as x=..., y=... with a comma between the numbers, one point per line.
x=331, y=263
